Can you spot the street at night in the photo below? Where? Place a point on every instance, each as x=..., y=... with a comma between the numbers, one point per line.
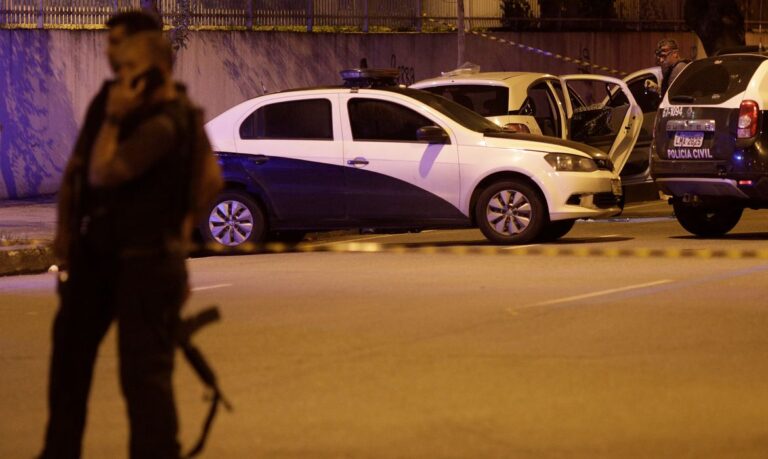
x=335, y=354
x=394, y=229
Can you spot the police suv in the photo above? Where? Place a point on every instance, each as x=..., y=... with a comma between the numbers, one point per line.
x=709, y=151
x=395, y=159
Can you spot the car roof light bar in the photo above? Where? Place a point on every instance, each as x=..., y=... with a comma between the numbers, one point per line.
x=370, y=78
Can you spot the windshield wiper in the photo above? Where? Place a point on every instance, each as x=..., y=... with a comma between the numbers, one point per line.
x=682, y=98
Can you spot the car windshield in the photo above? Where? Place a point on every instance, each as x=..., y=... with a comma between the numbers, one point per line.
x=452, y=110
x=714, y=80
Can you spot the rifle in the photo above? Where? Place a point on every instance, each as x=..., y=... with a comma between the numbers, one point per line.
x=187, y=327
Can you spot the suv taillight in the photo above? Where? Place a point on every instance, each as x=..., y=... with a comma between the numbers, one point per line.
x=748, y=114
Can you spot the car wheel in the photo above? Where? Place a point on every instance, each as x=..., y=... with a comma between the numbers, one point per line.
x=234, y=219
x=555, y=230
x=510, y=212
x=708, y=222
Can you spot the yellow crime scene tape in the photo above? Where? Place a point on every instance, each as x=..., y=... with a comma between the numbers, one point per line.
x=490, y=250
x=486, y=250
x=533, y=49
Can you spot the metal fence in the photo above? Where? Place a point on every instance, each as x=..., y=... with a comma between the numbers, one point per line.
x=358, y=15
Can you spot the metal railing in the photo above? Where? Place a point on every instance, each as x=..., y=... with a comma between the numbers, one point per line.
x=352, y=15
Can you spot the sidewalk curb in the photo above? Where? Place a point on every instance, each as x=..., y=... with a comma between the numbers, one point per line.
x=26, y=260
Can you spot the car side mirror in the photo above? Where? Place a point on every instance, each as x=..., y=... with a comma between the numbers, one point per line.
x=432, y=134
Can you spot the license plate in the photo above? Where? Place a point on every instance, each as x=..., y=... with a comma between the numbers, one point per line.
x=688, y=139
x=616, y=187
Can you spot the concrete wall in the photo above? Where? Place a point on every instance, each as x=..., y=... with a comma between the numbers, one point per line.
x=47, y=77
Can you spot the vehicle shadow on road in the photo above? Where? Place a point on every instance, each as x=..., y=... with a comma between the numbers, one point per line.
x=589, y=240
x=563, y=241
x=761, y=236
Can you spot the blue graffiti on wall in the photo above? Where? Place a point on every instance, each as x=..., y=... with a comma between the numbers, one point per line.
x=37, y=125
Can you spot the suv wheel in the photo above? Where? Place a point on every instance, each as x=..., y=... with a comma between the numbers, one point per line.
x=708, y=222
x=234, y=219
x=510, y=212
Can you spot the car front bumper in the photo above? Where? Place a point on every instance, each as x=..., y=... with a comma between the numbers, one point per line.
x=583, y=195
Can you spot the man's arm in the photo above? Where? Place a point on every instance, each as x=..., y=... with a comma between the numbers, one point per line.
x=65, y=213
x=114, y=163
x=71, y=187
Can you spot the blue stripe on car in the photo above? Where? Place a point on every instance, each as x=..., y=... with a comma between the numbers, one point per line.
x=308, y=195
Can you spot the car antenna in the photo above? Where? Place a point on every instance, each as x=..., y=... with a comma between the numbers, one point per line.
x=263, y=87
x=760, y=28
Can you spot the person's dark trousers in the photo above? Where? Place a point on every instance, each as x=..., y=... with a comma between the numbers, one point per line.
x=144, y=295
x=151, y=291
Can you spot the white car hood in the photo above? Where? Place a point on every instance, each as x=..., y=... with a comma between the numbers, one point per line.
x=541, y=143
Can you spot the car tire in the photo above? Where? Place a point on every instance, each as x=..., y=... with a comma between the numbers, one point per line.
x=555, y=230
x=234, y=219
x=511, y=212
x=707, y=222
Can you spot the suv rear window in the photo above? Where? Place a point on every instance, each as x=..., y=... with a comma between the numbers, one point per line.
x=485, y=100
x=714, y=80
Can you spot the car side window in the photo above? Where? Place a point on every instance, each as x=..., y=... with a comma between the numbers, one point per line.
x=309, y=119
x=599, y=122
x=647, y=100
x=380, y=120
x=541, y=105
x=576, y=102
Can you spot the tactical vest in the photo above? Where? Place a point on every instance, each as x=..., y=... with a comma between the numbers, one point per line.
x=144, y=215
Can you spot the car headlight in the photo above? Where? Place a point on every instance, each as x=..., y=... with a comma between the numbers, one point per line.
x=570, y=163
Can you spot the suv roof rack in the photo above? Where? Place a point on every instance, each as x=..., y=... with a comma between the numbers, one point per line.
x=740, y=50
x=370, y=78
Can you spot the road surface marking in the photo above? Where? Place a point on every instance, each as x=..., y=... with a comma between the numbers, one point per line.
x=592, y=295
x=211, y=287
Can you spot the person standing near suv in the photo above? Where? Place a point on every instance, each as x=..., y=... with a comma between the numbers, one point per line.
x=668, y=57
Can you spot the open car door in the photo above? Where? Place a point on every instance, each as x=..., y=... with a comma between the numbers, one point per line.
x=613, y=128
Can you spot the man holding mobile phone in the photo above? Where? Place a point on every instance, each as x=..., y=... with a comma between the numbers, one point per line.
x=128, y=219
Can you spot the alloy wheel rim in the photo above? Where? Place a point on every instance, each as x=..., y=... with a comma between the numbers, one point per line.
x=230, y=223
x=509, y=212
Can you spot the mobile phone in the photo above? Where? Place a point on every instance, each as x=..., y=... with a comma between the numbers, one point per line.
x=153, y=79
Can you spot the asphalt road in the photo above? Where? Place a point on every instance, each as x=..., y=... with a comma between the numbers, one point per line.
x=448, y=355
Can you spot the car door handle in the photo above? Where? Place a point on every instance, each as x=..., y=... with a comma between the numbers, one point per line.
x=359, y=161
x=259, y=159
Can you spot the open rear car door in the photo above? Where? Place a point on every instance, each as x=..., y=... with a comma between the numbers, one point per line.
x=613, y=128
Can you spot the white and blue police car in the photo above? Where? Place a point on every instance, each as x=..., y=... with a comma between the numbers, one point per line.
x=394, y=158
